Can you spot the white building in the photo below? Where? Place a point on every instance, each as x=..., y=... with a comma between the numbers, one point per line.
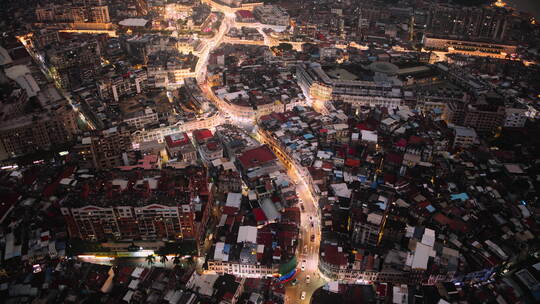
x=385, y=90
x=159, y=133
x=464, y=137
x=516, y=117
x=247, y=266
x=143, y=118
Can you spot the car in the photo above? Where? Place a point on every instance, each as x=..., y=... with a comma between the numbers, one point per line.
x=294, y=282
x=303, y=267
x=303, y=296
x=311, y=224
x=312, y=237
x=302, y=207
x=308, y=279
x=311, y=218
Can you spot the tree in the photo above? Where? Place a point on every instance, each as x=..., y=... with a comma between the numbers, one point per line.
x=151, y=259
x=177, y=260
x=163, y=258
x=190, y=261
x=284, y=47
x=180, y=24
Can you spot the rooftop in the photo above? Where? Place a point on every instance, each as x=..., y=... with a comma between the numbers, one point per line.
x=256, y=157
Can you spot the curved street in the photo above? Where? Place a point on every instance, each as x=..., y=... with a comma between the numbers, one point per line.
x=308, y=248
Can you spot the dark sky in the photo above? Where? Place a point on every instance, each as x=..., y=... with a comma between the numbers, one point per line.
x=529, y=6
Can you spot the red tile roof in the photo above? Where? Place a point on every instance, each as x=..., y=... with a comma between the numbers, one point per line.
x=455, y=225
x=230, y=210
x=381, y=290
x=352, y=162
x=245, y=14
x=390, y=178
x=332, y=256
x=177, y=140
x=281, y=117
x=394, y=158
x=256, y=157
x=364, y=126
x=230, y=220
x=259, y=215
x=212, y=146
x=228, y=296
x=264, y=237
x=67, y=172
x=327, y=166
x=415, y=140
x=401, y=143
x=202, y=134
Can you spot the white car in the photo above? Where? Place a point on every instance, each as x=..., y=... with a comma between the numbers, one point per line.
x=303, y=296
x=308, y=279
x=303, y=267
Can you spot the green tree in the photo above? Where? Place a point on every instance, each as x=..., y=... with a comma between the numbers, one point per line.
x=190, y=261
x=180, y=24
x=150, y=259
x=285, y=47
x=163, y=258
x=177, y=260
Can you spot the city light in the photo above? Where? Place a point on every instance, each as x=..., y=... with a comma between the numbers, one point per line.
x=500, y=3
x=322, y=150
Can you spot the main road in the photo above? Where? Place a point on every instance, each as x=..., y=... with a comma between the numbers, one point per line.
x=308, y=278
x=308, y=249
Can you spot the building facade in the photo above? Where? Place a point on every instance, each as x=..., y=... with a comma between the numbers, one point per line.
x=113, y=213
x=105, y=149
x=40, y=132
x=320, y=87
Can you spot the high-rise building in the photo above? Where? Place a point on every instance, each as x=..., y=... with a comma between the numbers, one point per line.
x=172, y=204
x=468, y=22
x=100, y=14
x=45, y=14
x=34, y=118
x=485, y=115
x=114, y=86
x=30, y=133
x=78, y=12
x=105, y=149
x=73, y=63
x=365, y=234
